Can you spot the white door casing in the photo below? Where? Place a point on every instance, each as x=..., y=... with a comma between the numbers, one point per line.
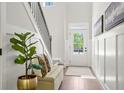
x=78, y=59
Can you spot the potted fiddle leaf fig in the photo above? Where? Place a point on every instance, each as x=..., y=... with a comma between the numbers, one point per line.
x=27, y=52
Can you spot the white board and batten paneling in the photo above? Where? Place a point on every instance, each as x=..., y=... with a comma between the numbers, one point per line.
x=110, y=63
x=101, y=60
x=120, y=60
x=96, y=56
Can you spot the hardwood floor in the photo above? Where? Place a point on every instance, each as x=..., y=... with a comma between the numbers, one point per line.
x=78, y=83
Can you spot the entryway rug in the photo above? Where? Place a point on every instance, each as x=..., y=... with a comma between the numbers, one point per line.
x=83, y=72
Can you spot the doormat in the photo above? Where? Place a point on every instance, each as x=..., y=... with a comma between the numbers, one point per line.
x=83, y=72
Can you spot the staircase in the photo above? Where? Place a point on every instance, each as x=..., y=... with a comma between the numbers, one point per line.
x=38, y=15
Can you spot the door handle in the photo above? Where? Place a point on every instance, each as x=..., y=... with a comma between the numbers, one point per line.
x=85, y=49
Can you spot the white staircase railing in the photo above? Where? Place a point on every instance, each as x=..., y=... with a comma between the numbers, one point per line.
x=41, y=23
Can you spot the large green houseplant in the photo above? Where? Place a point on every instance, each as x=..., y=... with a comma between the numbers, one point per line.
x=20, y=42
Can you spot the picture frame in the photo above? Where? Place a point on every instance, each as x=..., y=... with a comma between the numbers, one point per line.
x=0, y=51
x=114, y=15
x=98, y=26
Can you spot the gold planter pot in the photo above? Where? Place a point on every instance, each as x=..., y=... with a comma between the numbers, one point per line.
x=27, y=84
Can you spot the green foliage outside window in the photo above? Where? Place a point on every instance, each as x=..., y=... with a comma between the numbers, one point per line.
x=78, y=41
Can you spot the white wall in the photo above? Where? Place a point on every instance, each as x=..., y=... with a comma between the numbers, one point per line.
x=14, y=19
x=58, y=17
x=97, y=10
x=108, y=55
x=17, y=16
x=79, y=12
x=55, y=18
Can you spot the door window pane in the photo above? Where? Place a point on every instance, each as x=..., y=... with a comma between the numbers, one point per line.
x=78, y=42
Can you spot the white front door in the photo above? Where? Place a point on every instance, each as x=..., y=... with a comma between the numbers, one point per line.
x=78, y=35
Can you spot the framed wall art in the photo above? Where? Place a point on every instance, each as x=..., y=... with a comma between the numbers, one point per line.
x=98, y=26
x=114, y=15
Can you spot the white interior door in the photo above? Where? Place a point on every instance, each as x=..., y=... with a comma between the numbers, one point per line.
x=78, y=35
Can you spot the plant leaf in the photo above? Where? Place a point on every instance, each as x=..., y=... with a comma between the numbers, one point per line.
x=16, y=41
x=18, y=48
x=26, y=34
x=21, y=36
x=32, y=44
x=36, y=66
x=30, y=36
x=32, y=51
x=20, y=59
